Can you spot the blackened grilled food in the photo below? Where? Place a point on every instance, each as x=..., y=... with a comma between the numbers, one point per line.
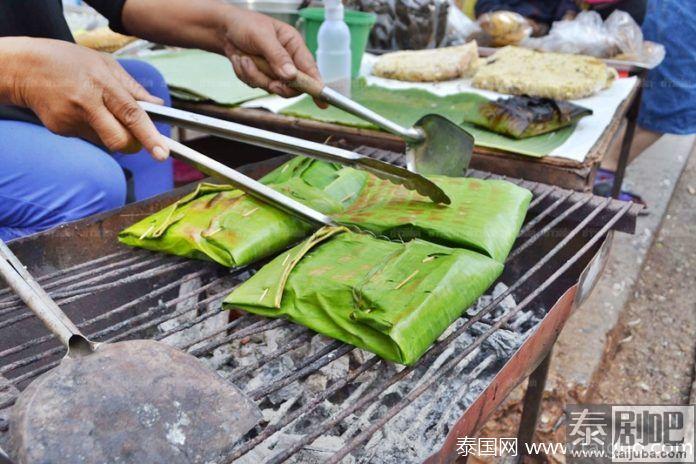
x=523, y=116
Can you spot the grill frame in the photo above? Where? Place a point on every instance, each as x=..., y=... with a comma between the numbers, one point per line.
x=47, y=254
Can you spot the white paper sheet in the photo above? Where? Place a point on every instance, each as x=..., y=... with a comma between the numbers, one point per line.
x=604, y=105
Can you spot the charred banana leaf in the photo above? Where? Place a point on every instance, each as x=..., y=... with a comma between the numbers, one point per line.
x=522, y=117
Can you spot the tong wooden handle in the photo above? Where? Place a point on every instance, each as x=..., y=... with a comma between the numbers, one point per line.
x=303, y=82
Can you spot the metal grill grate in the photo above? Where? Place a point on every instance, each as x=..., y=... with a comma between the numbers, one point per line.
x=142, y=294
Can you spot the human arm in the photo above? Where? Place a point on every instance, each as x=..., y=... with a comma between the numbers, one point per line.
x=77, y=92
x=227, y=30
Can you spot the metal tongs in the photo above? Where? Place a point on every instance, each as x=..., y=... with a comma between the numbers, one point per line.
x=293, y=145
x=248, y=185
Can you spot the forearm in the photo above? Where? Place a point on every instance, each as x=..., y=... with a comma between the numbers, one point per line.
x=200, y=24
x=15, y=56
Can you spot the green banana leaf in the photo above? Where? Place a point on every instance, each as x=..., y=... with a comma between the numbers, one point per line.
x=219, y=223
x=485, y=215
x=393, y=299
x=233, y=229
x=197, y=75
x=406, y=106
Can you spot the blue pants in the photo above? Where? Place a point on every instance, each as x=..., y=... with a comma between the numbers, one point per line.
x=47, y=179
x=669, y=92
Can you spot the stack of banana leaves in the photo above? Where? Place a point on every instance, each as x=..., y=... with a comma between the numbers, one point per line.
x=392, y=289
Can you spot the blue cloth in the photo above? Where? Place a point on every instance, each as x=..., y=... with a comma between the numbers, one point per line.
x=669, y=92
x=150, y=177
x=548, y=11
x=47, y=179
x=543, y=11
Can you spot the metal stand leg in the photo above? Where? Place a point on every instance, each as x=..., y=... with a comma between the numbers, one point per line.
x=532, y=403
x=631, y=119
x=4, y=459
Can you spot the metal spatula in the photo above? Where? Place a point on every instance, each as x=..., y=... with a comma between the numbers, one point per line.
x=434, y=145
x=130, y=402
x=297, y=146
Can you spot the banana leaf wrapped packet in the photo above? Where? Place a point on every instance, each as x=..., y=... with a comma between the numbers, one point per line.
x=223, y=224
x=391, y=298
x=522, y=117
x=233, y=229
x=485, y=215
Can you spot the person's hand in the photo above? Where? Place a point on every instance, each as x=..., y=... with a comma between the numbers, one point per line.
x=83, y=93
x=252, y=34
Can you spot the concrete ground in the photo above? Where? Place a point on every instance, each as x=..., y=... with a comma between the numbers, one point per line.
x=590, y=340
x=634, y=340
x=653, y=360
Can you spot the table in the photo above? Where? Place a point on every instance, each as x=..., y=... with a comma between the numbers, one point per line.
x=550, y=169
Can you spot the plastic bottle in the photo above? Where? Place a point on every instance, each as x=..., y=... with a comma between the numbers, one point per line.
x=333, y=51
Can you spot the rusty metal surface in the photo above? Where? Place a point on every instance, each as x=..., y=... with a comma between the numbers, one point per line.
x=519, y=367
x=527, y=359
x=111, y=403
x=562, y=233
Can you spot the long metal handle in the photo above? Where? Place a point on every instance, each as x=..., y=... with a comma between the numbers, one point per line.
x=314, y=88
x=296, y=146
x=247, y=184
x=250, y=135
x=21, y=281
x=351, y=106
x=4, y=458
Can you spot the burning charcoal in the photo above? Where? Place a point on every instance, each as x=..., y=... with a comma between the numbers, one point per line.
x=199, y=332
x=268, y=448
x=336, y=369
x=522, y=318
x=508, y=303
x=322, y=449
x=481, y=303
x=502, y=342
x=220, y=356
x=316, y=383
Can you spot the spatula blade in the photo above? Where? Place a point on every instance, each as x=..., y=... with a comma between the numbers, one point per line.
x=398, y=175
x=445, y=150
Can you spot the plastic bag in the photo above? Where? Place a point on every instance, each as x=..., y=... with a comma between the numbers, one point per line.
x=617, y=37
x=501, y=28
x=405, y=24
x=584, y=35
x=629, y=39
x=460, y=28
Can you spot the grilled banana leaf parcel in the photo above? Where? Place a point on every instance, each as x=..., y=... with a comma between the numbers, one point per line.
x=522, y=117
x=485, y=215
x=218, y=223
x=233, y=229
x=391, y=298
x=222, y=224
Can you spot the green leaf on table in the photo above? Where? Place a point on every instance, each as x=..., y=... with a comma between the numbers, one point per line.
x=406, y=106
x=197, y=76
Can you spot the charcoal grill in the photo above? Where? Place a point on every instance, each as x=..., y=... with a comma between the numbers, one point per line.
x=322, y=400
